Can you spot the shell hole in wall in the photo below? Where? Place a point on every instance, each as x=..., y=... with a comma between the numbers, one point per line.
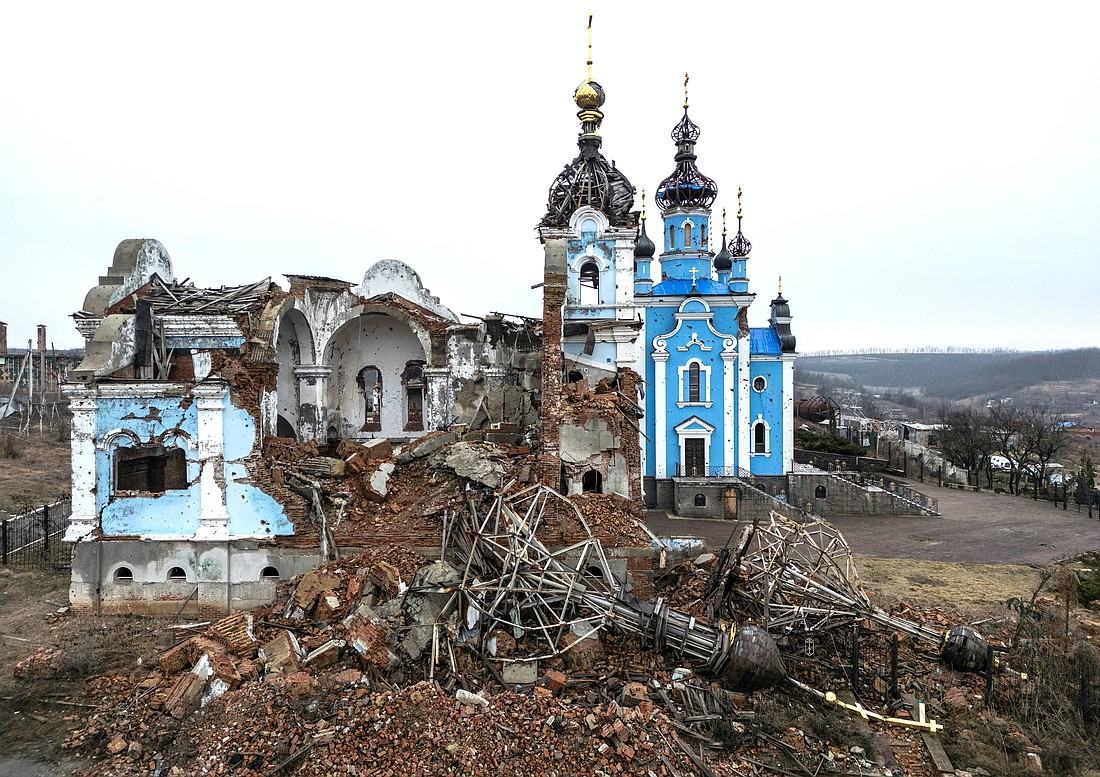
x=574, y=376
x=124, y=575
x=269, y=573
x=177, y=573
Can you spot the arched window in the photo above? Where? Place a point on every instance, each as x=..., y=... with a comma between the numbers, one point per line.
x=687, y=234
x=693, y=382
x=671, y=237
x=177, y=573
x=269, y=573
x=370, y=384
x=703, y=232
x=124, y=575
x=151, y=468
x=592, y=481
x=820, y=492
x=700, y=500
x=760, y=437
x=590, y=284
x=413, y=378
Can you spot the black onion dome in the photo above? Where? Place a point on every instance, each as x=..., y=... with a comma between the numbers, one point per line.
x=741, y=245
x=723, y=260
x=781, y=320
x=644, y=247
x=686, y=187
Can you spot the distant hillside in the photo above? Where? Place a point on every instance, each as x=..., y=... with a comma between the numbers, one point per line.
x=955, y=375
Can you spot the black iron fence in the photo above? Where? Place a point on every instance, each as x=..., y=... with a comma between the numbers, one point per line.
x=33, y=540
x=832, y=462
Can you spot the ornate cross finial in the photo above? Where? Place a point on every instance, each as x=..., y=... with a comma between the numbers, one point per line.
x=780, y=285
x=589, y=47
x=685, y=90
x=643, y=204
x=694, y=274
x=739, y=207
x=723, y=222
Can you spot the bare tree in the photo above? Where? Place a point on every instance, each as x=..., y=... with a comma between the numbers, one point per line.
x=1005, y=422
x=965, y=439
x=1042, y=435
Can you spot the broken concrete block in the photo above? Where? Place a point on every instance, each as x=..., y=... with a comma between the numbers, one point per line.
x=633, y=694
x=418, y=449
x=367, y=636
x=555, y=681
x=322, y=467
x=386, y=578
x=326, y=655
x=581, y=653
x=313, y=584
x=185, y=695
x=117, y=745
x=282, y=655
x=520, y=672
x=378, y=449
x=235, y=632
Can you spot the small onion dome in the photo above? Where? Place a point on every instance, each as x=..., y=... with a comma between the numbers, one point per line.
x=723, y=260
x=686, y=131
x=741, y=245
x=644, y=247
x=780, y=307
x=589, y=95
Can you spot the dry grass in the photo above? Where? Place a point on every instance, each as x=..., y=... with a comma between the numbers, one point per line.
x=40, y=472
x=946, y=584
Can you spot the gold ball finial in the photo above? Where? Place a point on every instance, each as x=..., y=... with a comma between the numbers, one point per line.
x=589, y=96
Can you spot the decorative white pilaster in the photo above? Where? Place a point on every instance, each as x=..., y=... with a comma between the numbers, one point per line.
x=788, y=415
x=438, y=401
x=312, y=396
x=729, y=409
x=213, y=516
x=744, y=433
x=660, y=441
x=82, y=521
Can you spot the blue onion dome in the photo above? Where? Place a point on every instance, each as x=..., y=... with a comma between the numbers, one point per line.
x=686, y=187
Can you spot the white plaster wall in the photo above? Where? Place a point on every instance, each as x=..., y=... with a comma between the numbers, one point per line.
x=390, y=275
x=386, y=343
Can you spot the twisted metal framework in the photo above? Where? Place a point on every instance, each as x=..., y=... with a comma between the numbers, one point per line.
x=590, y=180
x=797, y=580
x=513, y=581
x=740, y=247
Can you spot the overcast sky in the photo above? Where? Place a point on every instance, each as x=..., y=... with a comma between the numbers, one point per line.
x=919, y=174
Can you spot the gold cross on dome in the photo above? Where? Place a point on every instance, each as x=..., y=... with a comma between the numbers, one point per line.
x=694, y=272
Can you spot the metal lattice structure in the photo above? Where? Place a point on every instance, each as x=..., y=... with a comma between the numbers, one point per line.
x=797, y=580
x=512, y=580
x=687, y=187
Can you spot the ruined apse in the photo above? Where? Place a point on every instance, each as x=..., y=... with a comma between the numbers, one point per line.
x=181, y=386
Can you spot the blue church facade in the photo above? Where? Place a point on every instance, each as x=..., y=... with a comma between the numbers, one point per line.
x=716, y=396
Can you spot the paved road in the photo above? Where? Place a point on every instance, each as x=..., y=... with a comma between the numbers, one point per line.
x=973, y=528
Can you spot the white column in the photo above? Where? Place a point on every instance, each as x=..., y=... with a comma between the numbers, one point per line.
x=438, y=401
x=311, y=392
x=83, y=521
x=660, y=365
x=744, y=433
x=788, y=415
x=213, y=516
x=729, y=418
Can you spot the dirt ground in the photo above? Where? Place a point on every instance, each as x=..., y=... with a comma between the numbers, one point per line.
x=34, y=470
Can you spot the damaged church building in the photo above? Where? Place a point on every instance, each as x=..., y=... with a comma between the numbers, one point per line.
x=643, y=379
x=183, y=391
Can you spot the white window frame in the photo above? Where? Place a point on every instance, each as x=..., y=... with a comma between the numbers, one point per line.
x=704, y=384
x=763, y=388
x=767, y=437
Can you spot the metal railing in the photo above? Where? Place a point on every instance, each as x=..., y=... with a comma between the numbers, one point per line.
x=893, y=486
x=839, y=461
x=33, y=539
x=775, y=491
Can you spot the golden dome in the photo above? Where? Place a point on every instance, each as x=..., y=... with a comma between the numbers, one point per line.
x=589, y=95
